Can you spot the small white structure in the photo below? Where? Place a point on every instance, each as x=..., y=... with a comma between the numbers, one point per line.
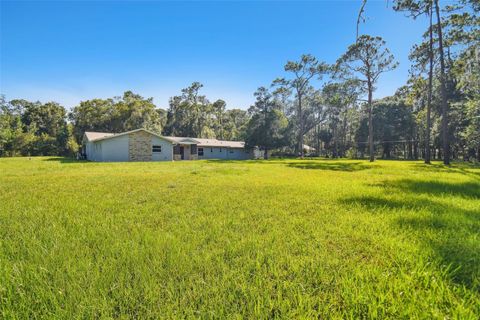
x=308, y=149
x=144, y=145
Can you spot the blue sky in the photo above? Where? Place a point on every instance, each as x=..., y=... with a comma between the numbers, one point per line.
x=73, y=51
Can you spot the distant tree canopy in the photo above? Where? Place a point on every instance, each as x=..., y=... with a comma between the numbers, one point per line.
x=33, y=128
x=119, y=114
x=193, y=115
x=267, y=127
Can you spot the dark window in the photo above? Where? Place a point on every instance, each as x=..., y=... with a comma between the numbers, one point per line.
x=193, y=149
x=211, y=149
x=231, y=151
x=220, y=149
x=176, y=149
x=200, y=152
x=156, y=148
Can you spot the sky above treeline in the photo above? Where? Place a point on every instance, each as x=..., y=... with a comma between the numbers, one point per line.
x=73, y=51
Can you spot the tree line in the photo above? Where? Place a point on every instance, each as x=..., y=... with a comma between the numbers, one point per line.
x=435, y=115
x=332, y=108
x=34, y=128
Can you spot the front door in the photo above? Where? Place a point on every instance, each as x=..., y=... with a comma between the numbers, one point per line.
x=182, y=153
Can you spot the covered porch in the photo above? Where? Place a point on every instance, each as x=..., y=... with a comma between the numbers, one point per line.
x=185, y=150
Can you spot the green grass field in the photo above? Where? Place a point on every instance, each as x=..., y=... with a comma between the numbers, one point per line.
x=228, y=240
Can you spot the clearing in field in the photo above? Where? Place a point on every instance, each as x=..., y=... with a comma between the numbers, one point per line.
x=252, y=239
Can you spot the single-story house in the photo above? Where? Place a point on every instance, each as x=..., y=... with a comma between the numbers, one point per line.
x=144, y=145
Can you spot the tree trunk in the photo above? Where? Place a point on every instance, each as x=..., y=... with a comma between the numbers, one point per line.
x=415, y=145
x=302, y=126
x=443, y=90
x=386, y=151
x=430, y=89
x=370, y=123
x=344, y=136
x=335, y=146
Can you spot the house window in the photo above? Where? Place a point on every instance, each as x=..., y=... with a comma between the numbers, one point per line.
x=200, y=152
x=176, y=149
x=156, y=148
x=193, y=149
x=231, y=151
x=211, y=149
x=220, y=149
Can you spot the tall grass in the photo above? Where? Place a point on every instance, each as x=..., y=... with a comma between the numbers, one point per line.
x=247, y=239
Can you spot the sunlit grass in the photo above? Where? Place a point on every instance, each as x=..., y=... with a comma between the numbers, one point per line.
x=246, y=239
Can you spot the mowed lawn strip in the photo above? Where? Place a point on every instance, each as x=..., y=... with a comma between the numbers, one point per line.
x=239, y=239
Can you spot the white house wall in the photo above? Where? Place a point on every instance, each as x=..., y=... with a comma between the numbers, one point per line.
x=89, y=150
x=94, y=151
x=213, y=153
x=239, y=154
x=167, y=149
x=224, y=153
x=114, y=149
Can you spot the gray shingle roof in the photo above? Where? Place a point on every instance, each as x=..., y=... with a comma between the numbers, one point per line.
x=210, y=142
x=97, y=135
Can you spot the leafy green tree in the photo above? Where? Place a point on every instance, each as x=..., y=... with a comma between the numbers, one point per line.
x=457, y=28
x=361, y=136
x=119, y=114
x=267, y=125
x=47, y=123
x=463, y=31
x=132, y=111
x=48, y=118
x=395, y=125
x=219, y=119
x=93, y=115
x=235, y=124
x=443, y=87
x=10, y=127
x=33, y=128
x=303, y=72
x=193, y=115
x=364, y=62
x=339, y=98
x=419, y=56
x=189, y=114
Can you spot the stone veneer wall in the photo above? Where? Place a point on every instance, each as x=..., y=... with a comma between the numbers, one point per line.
x=140, y=146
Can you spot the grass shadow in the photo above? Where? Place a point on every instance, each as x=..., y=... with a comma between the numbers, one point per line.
x=64, y=160
x=453, y=241
x=334, y=166
x=229, y=160
x=380, y=204
x=470, y=189
x=456, y=167
x=450, y=231
x=313, y=164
